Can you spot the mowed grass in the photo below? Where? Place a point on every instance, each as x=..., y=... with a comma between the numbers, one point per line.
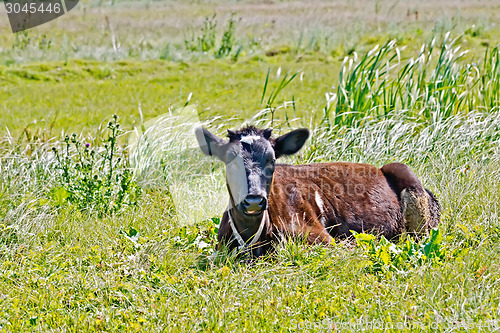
x=79, y=95
x=146, y=269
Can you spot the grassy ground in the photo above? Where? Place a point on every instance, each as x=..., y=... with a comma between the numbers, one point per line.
x=69, y=264
x=117, y=29
x=79, y=95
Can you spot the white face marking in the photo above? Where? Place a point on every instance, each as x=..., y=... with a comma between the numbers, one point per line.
x=236, y=179
x=249, y=139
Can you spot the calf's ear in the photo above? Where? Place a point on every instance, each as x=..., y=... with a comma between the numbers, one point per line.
x=290, y=143
x=210, y=144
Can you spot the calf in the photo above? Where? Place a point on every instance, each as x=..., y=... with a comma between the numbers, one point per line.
x=268, y=201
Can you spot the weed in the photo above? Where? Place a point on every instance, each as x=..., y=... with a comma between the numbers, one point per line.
x=384, y=255
x=206, y=40
x=228, y=39
x=94, y=178
x=207, y=43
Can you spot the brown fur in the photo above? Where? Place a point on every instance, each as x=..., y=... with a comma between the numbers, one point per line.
x=325, y=200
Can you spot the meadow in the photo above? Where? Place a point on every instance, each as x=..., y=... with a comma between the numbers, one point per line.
x=112, y=228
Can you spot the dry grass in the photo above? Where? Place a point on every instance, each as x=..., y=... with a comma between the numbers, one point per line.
x=332, y=26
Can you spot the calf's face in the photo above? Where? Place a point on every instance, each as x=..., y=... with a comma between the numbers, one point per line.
x=250, y=155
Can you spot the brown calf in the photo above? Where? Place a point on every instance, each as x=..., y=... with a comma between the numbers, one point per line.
x=269, y=201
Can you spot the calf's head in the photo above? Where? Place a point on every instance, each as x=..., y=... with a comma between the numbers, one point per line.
x=250, y=155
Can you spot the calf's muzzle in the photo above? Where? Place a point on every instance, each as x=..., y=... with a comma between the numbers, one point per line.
x=253, y=204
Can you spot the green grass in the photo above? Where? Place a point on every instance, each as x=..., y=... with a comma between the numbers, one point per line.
x=81, y=94
x=333, y=28
x=68, y=270
x=68, y=266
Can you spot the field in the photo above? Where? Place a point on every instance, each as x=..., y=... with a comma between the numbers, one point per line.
x=113, y=228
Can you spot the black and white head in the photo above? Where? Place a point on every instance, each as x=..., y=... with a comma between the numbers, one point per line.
x=250, y=156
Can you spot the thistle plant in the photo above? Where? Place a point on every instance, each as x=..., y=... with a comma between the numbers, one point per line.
x=93, y=177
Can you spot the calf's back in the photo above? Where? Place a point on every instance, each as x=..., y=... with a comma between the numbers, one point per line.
x=337, y=196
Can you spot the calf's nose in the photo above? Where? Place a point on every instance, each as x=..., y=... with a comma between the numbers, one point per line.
x=254, y=203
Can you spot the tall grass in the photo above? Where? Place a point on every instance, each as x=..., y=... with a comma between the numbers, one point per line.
x=432, y=85
x=42, y=177
x=165, y=156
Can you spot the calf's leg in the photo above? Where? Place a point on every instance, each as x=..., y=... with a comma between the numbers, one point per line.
x=318, y=235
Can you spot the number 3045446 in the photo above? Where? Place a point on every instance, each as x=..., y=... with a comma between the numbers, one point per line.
x=33, y=7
